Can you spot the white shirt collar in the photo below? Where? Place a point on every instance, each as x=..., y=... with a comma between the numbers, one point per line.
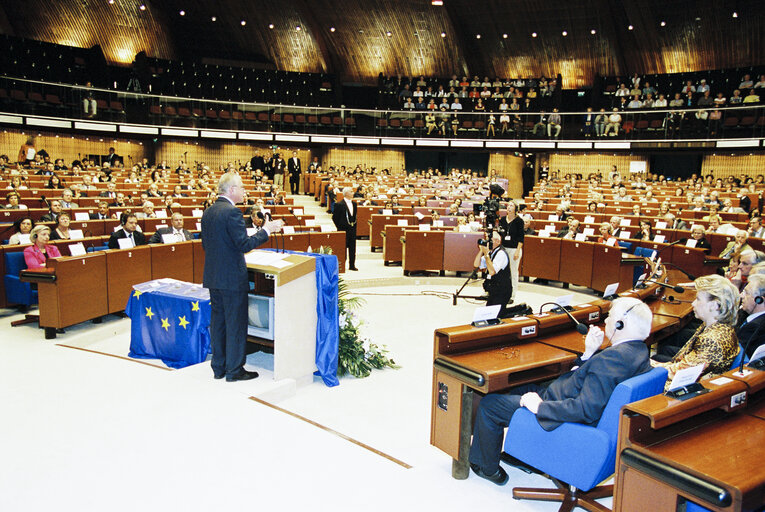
x=228, y=199
x=751, y=317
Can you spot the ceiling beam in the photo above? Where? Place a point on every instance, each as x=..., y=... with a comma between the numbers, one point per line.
x=611, y=23
x=330, y=62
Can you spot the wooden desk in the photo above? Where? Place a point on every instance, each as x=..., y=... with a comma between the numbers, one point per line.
x=707, y=449
x=125, y=268
x=172, y=260
x=423, y=250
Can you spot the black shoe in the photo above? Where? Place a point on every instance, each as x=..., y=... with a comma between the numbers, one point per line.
x=499, y=478
x=218, y=376
x=242, y=375
x=512, y=461
x=353, y=268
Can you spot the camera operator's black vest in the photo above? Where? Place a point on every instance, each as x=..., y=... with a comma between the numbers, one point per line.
x=500, y=283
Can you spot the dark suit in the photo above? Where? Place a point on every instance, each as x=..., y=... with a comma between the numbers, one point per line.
x=106, y=193
x=97, y=216
x=293, y=166
x=138, y=237
x=156, y=238
x=257, y=162
x=112, y=159
x=225, y=240
x=746, y=331
x=679, y=224
x=49, y=217
x=344, y=221
x=579, y=396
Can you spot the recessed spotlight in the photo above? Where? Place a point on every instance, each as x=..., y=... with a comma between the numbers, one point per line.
x=243, y=22
x=504, y=36
x=331, y=29
x=111, y=2
x=389, y=33
x=298, y=28
x=443, y=34
x=142, y=7
x=592, y=31
x=436, y=2
x=564, y=33
x=182, y=13
x=533, y=34
x=663, y=23
x=735, y=14
x=630, y=27
x=478, y=36
x=271, y=26
x=214, y=18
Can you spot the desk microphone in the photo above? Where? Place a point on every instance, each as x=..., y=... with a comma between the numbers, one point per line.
x=677, y=289
x=745, y=347
x=679, y=241
x=580, y=327
x=672, y=300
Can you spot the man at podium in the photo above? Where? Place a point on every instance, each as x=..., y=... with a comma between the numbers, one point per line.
x=225, y=241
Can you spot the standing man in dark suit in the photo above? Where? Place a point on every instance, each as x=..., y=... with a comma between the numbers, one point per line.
x=344, y=217
x=129, y=230
x=278, y=166
x=112, y=158
x=294, y=168
x=257, y=162
x=753, y=305
x=176, y=233
x=225, y=240
x=579, y=396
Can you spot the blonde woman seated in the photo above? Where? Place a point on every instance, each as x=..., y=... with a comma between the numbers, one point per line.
x=606, y=232
x=37, y=254
x=714, y=344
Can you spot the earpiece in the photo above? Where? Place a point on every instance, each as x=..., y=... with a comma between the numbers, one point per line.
x=759, y=299
x=619, y=325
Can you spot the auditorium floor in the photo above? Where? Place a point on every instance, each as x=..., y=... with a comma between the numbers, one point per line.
x=85, y=431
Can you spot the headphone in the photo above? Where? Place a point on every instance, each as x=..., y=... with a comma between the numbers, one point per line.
x=759, y=299
x=619, y=325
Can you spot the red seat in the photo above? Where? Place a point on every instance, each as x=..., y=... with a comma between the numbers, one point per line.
x=263, y=116
x=325, y=120
x=730, y=121
x=170, y=111
x=155, y=110
x=480, y=125
x=289, y=118
x=52, y=99
x=396, y=123
x=184, y=112
x=300, y=119
x=237, y=115
x=468, y=124
x=18, y=95
x=419, y=123
x=224, y=114
x=350, y=121
x=313, y=120
x=116, y=105
x=211, y=114
x=337, y=120
x=250, y=116
x=747, y=121
x=382, y=123
x=36, y=97
x=406, y=123
x=276, y=118
x=102, y=104
x=197, y=112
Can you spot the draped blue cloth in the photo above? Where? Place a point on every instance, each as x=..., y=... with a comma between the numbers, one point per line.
x=328, y=315
x=170, y=321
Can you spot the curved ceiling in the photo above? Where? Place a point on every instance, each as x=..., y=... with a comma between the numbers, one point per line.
x=412, y=37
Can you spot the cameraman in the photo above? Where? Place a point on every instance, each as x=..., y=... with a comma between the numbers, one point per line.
x=513, y=228
x=493, y=257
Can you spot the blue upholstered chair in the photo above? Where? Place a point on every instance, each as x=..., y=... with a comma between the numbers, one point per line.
x=577, y=457
x=17, y=292
x=741, y=355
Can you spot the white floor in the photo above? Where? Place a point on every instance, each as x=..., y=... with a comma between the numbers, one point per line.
x=85, y=431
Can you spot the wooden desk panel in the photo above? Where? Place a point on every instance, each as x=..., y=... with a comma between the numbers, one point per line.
x=172, y=260
x=198, y=254
x=378, y=224
x=575, y=262
x=541, y=257
x=78, y=294
x=460, y=250
x=392, y=246
x=423, y=250
x=609, y=266
x=125, y=268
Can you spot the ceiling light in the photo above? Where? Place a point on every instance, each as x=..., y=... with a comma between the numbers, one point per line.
x=663, y=23
x=389, y=33
x=564, y=33
x=735, y=14
x=111, y=2
x=630, y=27
x=478, y=36
x=243, y=23
x=142, y=7
x=214, y=18
x=533, y=34
x=436, y=2
x=271, y=26
x=504, y=36
x=443, y=34
x=182, y=13
x=332, y=29
x=298, y=28
x=592, y=31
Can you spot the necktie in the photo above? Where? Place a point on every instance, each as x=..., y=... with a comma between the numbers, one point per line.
x=179, y=236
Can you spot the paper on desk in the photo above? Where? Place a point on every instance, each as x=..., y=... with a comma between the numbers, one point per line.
x=611, y=289
x=263, y=257
x=686, y=376
x=760, y=352
x=486, y=313
x=564, y=300
x=719, y=381
x=81, y=216
x=281, y=264
x=288, y=230
x=419, y=215
x=77, y=249
x=76, y=234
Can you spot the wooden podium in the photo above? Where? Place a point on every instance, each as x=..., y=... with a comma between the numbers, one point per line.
x=294, y=291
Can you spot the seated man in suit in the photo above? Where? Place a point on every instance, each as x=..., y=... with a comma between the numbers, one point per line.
x=570, y=231
x=175, y=232
x=579, y=396
x=753, y=305
x=53, y=212
x=103, y=212
x=129, y=230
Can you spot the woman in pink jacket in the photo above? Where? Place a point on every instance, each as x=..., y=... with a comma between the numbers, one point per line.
x=38, y=253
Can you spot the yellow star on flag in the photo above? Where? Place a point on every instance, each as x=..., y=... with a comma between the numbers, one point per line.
x=182, y=321
x=165, y=324
x=136, y=294
x=195, y=306
x=149, y=313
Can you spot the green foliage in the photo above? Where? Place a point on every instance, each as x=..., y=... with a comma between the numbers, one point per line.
x=353, y=358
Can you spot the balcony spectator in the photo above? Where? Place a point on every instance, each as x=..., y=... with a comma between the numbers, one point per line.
x=89, y=105
x=648, y=102
x=485, y=93
x=703, y=87
x=746, y=82
x=688, y=88
x=761, y=83
x=408, y=105
x=479, y=106
x=622, y=90
x=503, y=105
x=431, y=105
x=454, y=82
x=600, y=123
x=649, y=89
x=677, y=101
x=720, y=100
x=554, y=124
x=444, y=105
x=404, y=93
x=588, y=126
x=476, y=82
x=736, y=99
x=614, y=123
x=456, y=105
x=463, y=92
x=541, y=123
x=474, y=94
x=706, y=100
x=661, y=102
x=417, y=93
x=504, y=122
x=752, y=97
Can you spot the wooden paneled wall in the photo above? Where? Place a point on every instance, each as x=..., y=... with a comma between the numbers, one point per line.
x=71, y=147
x=216, y=153
x=392, y=159
x=585, y=163
x=722, y=166
x=509, y=166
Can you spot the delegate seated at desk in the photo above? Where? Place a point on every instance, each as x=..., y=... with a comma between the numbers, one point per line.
x=580, y=396
x=714, y=343
x=37, y=254
x=175, y=232
x=129, y=230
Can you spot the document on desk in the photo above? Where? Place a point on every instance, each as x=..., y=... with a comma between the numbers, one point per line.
x=686, y=376
x=267, y=258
